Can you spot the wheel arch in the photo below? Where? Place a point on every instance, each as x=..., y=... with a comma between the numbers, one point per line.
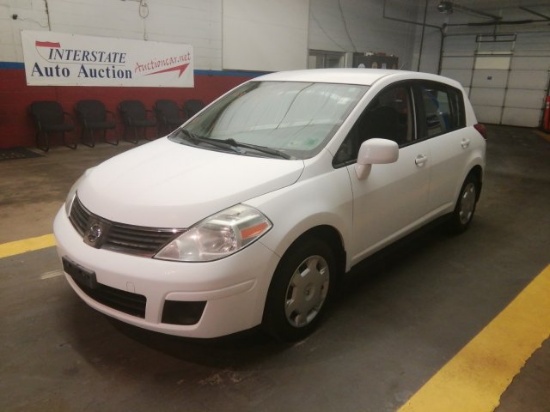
x=477, y=173
x=275, y=318
x=332, y=237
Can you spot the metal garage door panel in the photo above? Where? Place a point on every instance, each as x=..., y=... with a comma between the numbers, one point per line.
x=490, y=78
x=462, y=76
x=526, y=99
x=521, y=117
x=530, y=80
x=487, y=97
x=531, y=63
x=466, y=62
x=536, y=42
x=459, y=45
x=492, y=62
x=458, y=68
x=488, y=114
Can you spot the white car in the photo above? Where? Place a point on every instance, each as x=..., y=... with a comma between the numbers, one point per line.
x=249, y=213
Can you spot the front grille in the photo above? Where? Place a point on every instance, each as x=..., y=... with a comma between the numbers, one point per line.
x=119, y=237
x=130, y=303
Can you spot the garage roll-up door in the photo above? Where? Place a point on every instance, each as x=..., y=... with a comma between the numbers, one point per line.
x=528, y=81
x=506, y=76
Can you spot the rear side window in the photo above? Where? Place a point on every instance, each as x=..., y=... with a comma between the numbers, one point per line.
x=443, y=109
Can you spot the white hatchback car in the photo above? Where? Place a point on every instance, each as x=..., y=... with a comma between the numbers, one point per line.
x=249, y=212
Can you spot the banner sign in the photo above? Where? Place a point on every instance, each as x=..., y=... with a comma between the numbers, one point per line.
x=60, y=59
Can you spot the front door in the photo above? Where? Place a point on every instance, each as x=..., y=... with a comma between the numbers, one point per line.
x=393, y=198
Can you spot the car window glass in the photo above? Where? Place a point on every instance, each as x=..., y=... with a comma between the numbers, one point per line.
x=443, y=109
x=388, y=116
x=296, y=118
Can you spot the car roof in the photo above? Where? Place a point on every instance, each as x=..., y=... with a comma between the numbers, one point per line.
x=351, y=76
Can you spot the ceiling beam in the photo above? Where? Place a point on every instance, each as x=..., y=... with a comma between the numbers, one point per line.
x=534, y=12
x=480, y=13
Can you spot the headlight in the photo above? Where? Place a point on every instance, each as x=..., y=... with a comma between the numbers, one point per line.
x=72, y=192
x=218, y=236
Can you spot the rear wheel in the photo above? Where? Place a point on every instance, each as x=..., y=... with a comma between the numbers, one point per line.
x=465, y=206
x=299, y=290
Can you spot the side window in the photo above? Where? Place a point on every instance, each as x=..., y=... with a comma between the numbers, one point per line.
x=388, y=116
x=443, y=109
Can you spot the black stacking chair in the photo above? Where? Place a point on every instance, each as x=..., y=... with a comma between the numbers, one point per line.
x=136, y=117
x=49, y=118
x=192, y=107
x=169, y=116
x=94, y=117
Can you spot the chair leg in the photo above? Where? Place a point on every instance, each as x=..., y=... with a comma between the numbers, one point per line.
x=163, y=129
x=46, y=147
x=92, y=138
x=113, y=142
x=91, y=142
x=135, y=141
x=145, y=134
x=70, y=146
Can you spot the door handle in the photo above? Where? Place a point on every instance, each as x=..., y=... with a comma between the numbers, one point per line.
x=465, y=143
x=420, y=160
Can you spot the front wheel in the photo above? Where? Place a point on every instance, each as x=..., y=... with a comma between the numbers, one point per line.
x=299, y=290
x=465, y=206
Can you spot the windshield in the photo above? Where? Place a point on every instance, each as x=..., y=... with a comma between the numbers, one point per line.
x=273, y=119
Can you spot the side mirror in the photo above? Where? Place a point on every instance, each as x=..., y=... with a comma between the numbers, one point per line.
x=375, y=151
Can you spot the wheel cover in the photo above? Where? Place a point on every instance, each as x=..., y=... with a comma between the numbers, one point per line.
x=467, y=203
x=307, y=291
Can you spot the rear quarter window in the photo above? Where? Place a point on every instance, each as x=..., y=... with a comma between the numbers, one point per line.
x=443, y=109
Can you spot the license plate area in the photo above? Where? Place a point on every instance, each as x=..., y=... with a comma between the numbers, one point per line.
x=80, y=274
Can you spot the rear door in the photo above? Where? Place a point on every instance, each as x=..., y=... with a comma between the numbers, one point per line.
x=441, y=119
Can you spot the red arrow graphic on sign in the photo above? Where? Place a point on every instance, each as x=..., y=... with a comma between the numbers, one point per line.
x=171, y=69
x=47, y=44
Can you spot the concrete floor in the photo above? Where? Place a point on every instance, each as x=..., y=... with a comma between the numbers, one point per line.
x=396, y=323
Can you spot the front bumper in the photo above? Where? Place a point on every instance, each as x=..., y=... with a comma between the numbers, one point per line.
x=229, y=292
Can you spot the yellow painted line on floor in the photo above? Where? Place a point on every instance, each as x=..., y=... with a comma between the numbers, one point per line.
x=26, y=245
x=51, y=274
x=477, y=376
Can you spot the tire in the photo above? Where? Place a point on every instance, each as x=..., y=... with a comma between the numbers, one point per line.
x=465, y=208
x=300, y=290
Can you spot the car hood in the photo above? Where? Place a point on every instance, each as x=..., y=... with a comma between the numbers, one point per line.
x=166, y=184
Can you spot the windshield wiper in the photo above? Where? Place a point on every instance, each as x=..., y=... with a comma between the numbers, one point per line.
x=200, y=140
x=230, y=144
x=187, y=135
x=262, y=149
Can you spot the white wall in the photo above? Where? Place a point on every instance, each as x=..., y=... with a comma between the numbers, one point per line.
x=265, y=35
x=195, y=22
x=30, y=16
x=359, y=26
x=334, y=25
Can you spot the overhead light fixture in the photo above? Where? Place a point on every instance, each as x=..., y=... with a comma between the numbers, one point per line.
x=445, y=7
